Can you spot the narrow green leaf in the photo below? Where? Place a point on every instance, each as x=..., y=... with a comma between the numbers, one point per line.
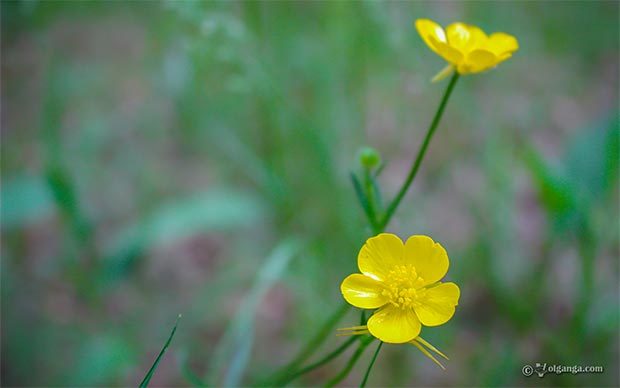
x=65, y=195
x=360, y=195
x=149, y=374
x=63, y=190
x=377, y=193
x=379, y=169
x=212, y=210
x=233, y=351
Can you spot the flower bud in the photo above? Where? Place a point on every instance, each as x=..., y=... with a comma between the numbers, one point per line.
x=368, y=157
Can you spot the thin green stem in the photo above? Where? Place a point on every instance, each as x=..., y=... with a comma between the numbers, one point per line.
x=418, y=160
x=324, y=360
x=365, y=341
x=372, y=362
x=321, y=335
x=311, y=345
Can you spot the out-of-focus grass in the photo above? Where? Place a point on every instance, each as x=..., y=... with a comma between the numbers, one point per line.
x=155, y=155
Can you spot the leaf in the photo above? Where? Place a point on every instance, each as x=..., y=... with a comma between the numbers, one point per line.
x=359, y=191
x=66, y=199
x=149, y=374
x=99, y=360
x=571, y=187
x=555, y=188
x=214, y=210
x=589, y=157
x=25, y=199
x=234, y=349
x=63, y=190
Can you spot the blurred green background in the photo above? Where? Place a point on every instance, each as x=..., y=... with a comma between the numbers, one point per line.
x=193, y=157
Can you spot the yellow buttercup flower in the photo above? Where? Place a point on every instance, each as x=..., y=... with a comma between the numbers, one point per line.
x=401, y=281
x=466, y=48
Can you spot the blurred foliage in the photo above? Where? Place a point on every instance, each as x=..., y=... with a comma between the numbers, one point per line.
x=194, y=157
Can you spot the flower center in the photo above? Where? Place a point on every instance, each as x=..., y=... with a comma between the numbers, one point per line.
x=404, y=287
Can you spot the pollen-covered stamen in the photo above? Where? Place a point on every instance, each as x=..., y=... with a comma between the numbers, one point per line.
x=403, y=287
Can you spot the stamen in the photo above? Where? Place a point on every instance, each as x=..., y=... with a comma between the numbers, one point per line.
x=404, y=288
x=417, y=345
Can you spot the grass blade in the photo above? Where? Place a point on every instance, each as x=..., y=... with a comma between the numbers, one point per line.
x=149, y=374
x=232, y=353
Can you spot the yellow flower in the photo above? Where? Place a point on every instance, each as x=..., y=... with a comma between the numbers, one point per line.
x=466, y=48
x=402, y=282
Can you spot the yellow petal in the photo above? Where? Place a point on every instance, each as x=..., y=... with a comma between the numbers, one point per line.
x=427, y=29
x=502, y=44
x=480, y=60
x=464, y=37
x=379, y=255
x=363, y=292
x=447, y=52
x=394, y=325
x=438, y=304
x=428, y=257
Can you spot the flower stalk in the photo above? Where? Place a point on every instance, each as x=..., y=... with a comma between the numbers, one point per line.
x=365, y=341
x=372, y=362
x=418, y=160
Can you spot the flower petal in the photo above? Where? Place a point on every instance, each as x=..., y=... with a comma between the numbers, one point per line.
x=427, y=29
x=502, y=44
x=480, y=60
x=363, y=292
x=394, y=325
x=438, y=304
x=448, y=53
x=464, y=37
x=428, y=257
x=379, y=255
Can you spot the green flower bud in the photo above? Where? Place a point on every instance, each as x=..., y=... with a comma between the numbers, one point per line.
x=368, y=157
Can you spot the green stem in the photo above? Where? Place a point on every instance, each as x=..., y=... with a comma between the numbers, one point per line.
x=343, y=373
x=372, y=362
x=324, y=360
x=310, y=346
x=418, y=161
x=290, y=377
